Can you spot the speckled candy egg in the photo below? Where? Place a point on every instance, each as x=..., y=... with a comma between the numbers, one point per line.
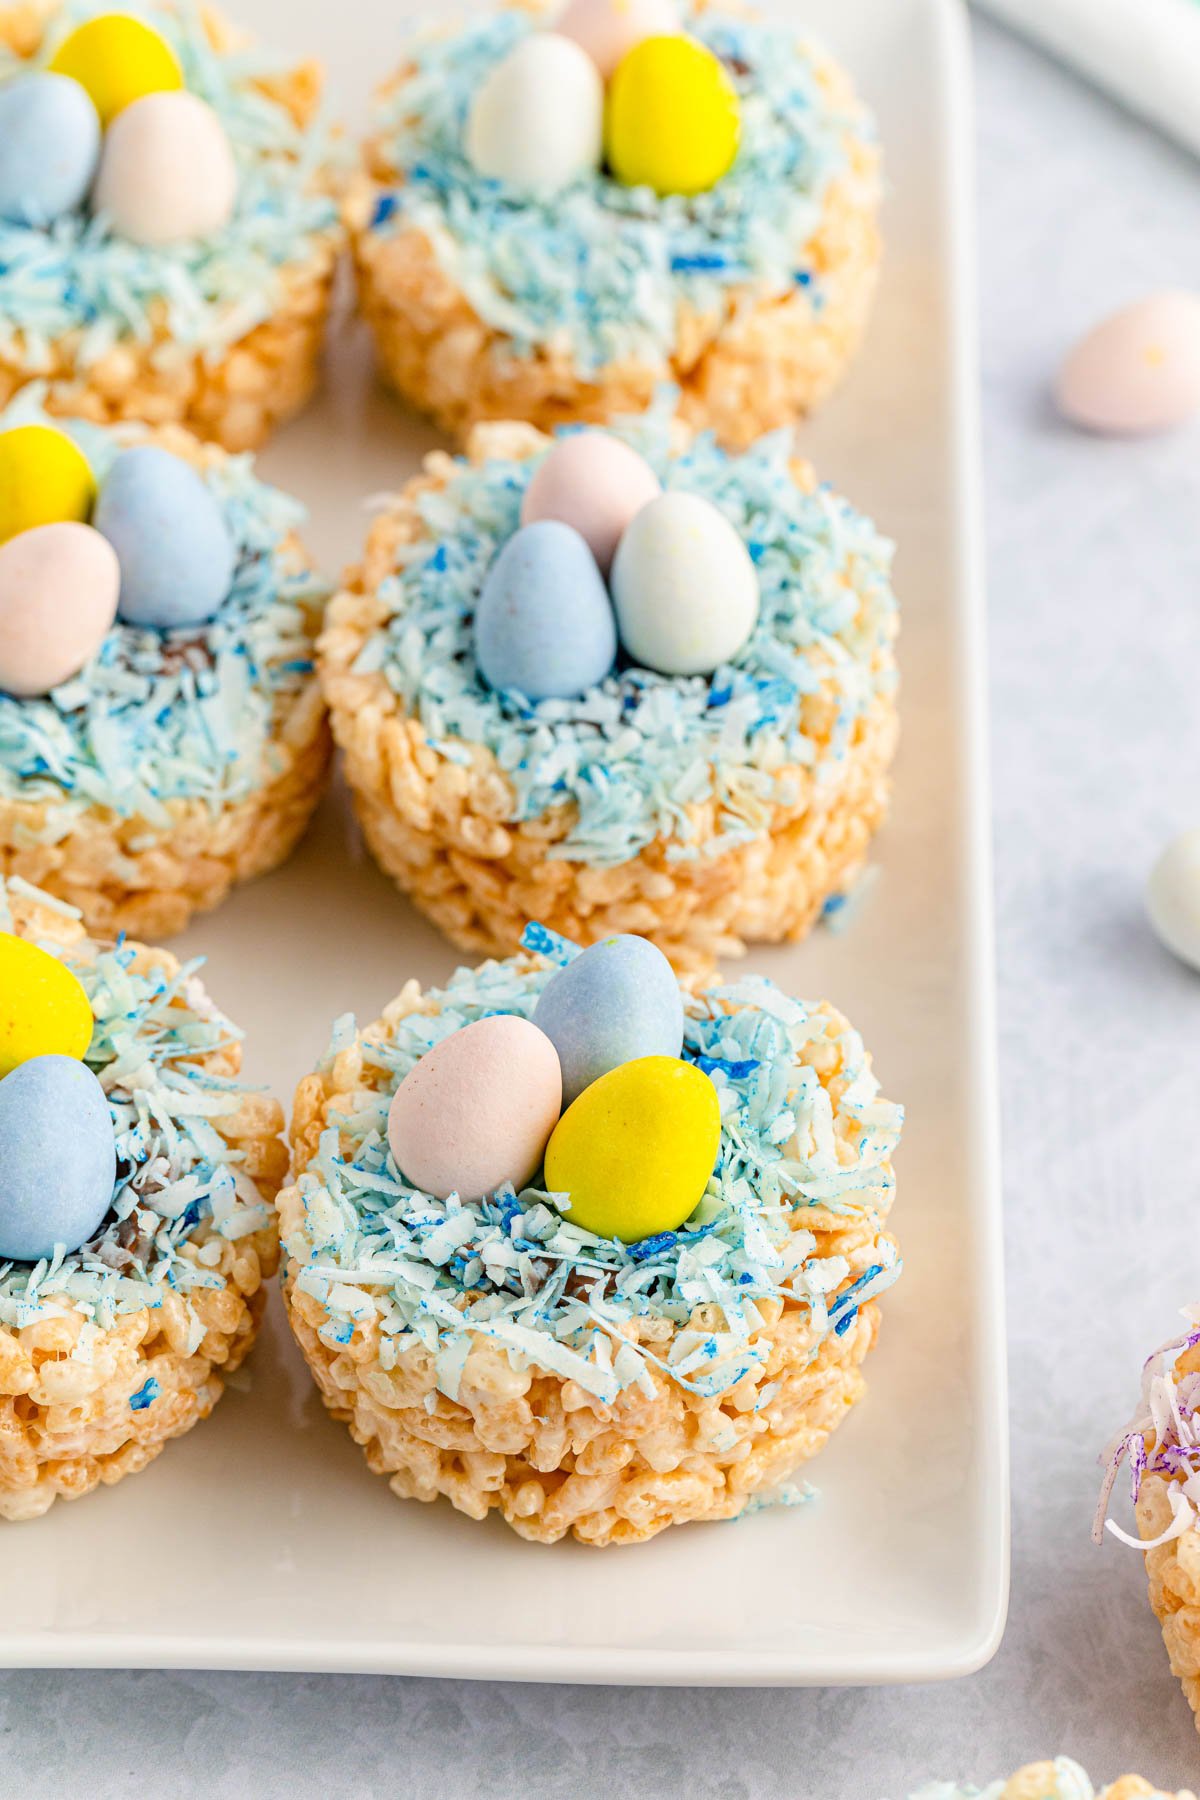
x=45, y=479
x=537, y=122
x=1173, y=897
x=58, y=598
x=684, y=587
x=608, y=29
x=594, y=482
x=635, y=1151
x=477, y=1110
x=615, y=1002
x=49, y=145
x=167, y=173
x=176, y=553
x=58, y=1158
x=43, y=1008
x=673, y=119
x=117, y=59
x=544, y=624
x=1137, y=371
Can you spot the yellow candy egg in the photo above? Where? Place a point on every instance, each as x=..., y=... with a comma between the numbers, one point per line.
x=45, y=479
x=118, y=59
x=43, y=1009
x=635, y=1151
x=673, y=117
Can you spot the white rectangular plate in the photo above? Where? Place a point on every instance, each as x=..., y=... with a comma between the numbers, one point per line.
x=261, y=1540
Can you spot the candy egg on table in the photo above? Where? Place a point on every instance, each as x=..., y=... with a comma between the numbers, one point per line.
x=58, y=599
x=45, y=479
x=58, y=1158
x=176, y=553
x=167, y=171
x=684, y=587
x=594, y=482
x=634, y=1152
x=544, y=623
x=1173, y=897
x=43, y=1008
x=1138, y=370
x=117, y=59
x=537, y=121
x=673, y=117
x=49, y=146
x=613, y=1003
x=607, y=29
x=477, y=1110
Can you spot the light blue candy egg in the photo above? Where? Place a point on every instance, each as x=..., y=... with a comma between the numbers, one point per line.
x=58, y=1157
x=613, y=1003
x=544, y=624
x=49, y=148
x=176, y=554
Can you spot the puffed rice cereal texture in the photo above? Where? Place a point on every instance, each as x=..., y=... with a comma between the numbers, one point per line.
x=1173, y=1572
x=66, y=1424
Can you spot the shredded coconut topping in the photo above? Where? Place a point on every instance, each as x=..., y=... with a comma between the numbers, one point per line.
x=1162, y=1438
x=1070, y=1782
x=600, y=269
x=186, y=714
x=635, y=752
x=80, y=276
x=511, y=1267
x=178, y=1181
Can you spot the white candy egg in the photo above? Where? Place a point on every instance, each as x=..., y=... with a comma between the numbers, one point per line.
x=167, y=173
x=1173, y=897
x=1137, y=371
x=537, y=122
x=684, y=587
x=58, y=599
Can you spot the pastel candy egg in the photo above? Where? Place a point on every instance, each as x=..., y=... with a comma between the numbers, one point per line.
x=1137, y=371
x=176, y=553
x=635, y=1151
x=607, y=29
x=537, y=121
x=45, y=479
x=615, y=1002
x=684, y=587
x=544, y=624
x=477, y=1110
x=167, y=173
x=58, y=599
x=43, y=1008
x=117, y=59
x=49, y=144
x=1173, y=897
x=673, y=118
x=58, y=1158
x=594, y=482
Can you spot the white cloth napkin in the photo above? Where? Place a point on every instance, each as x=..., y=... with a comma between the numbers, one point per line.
x=1145, y=52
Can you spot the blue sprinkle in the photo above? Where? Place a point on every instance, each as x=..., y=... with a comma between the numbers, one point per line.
x=146, y=1395
x=385, y=208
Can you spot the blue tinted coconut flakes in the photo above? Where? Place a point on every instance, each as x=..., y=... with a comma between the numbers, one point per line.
x=511, y=1267
x=598, y=269
x=178, y=1181
x=183, y=715
x=635, y=752
x=78, y=276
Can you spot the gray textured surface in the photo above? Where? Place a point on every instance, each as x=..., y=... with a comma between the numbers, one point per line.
x=1095, y=591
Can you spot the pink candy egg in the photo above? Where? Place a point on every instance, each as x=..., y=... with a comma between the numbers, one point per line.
x=167, y=173
x=595, y=483
x=58, y=599
x=607, y=29
x=477, y=1110
x=1138, y=370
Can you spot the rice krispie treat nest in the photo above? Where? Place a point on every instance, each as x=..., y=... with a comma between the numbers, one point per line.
x=221, y=334
x=490, y=303
x=494, y=1353
x=176, y=763
x=1061, y=1779
x=699, y=811
x=112, y=1350
x=1161, y=1446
